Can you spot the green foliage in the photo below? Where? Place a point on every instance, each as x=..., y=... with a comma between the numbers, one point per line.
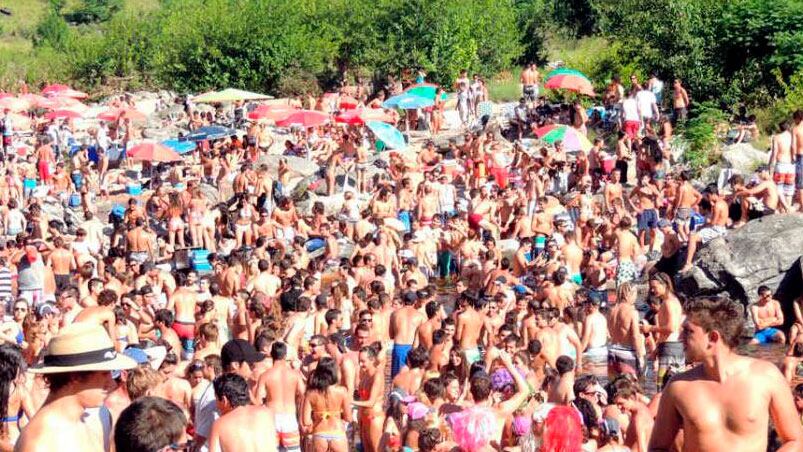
x=92, y=11
x=781, y=109
x=52, y=31
x=702, y=134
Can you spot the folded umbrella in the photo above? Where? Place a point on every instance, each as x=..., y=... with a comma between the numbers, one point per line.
x=390, y=135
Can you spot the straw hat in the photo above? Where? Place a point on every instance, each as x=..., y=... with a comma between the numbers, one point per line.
x=82, y=347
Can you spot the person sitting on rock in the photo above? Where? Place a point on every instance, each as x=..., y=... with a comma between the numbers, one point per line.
x=716, y=222
x=767, y=314
x=759, y=200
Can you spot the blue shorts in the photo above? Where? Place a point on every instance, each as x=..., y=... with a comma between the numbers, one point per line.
x=765, y=336
x=399, y=358
x=647, y=219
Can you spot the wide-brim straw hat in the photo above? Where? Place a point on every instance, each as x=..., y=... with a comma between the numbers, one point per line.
x=82, y=347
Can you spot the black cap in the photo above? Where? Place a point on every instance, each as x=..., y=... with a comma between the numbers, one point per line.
x=410, y=297
x=239, y=350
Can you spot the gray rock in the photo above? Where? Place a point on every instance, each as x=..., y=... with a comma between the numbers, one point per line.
x=744, y=157
x=766, y=251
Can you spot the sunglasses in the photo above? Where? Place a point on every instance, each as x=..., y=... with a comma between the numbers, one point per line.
x=20, y=309
x=367, y=319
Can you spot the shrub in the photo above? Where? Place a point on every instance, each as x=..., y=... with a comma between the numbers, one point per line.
x=702, y=133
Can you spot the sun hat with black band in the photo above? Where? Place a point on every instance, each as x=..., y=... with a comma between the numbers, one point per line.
x=82, y=347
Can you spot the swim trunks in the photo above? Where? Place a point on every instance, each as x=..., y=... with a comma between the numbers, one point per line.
x=765, y=336
x=671, y=356
x=626, y=271
x=709, y=233
x=399, y=358
x=647, y=219
x=784, y=178
x=473, y=355
x=623, y=360
x=799, y=172
x=186, y=332
x=287, y=433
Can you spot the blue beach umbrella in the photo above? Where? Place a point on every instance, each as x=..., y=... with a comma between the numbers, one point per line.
x=389, y=135
x=407, y=101
x=181, y=147
x=210, y=133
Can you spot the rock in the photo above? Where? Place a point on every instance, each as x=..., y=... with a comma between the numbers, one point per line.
x=766, y=251
x=298, y=165
x=161, y=133
x=744, y=157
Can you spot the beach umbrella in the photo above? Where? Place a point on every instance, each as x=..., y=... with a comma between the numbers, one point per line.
x=425, y=90
x=152, y=152
x=571, y=138
x=62, y=103
x=70, y=93
x=63, y=114
x=15, y=103
x=271, y=112
x=565, y=71
x=389, y=135
x=211, y=133
x=306, y=118
x=229, y=95
x=361, y=115
x=4, y=95
x=407, y=101
x=54, y=89
x=348, y=102
x=180, y=146
x=572, y=82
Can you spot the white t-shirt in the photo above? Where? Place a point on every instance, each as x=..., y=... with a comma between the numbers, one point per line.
x=646, y=99
x=630, y=109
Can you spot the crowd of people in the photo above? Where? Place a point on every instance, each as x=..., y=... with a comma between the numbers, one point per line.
x=465, y=299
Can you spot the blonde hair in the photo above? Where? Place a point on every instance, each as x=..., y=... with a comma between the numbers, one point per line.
x=624, y=292
x=141, y=381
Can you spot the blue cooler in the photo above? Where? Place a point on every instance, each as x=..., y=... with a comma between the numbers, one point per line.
x=75, y=200
x=200, y=261
x=134, y=189
x=77, y=179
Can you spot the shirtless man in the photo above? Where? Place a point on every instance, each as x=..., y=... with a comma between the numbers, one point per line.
x=265, y=282
x=403, y=326
x=139, y=243
x=62, y=261
x=411, y=376
x=573, y=256
x=685, y=201
x=562, y=392
x=670, y=261
x=613, y=191
x=782, y=164
x=626, y=352
x=715, y=226
x=174, y=387
x=103, y=315
x=435, y=315
x=66, y=408
x=530, y=78
x=646, y=195
x=285, y=218
x=469, y=328
x=281, y=389
x=183, y=301
x=241, y=426
x=427, y=206
x=758, y=201
x=767, y=315
x=680, y=102
x=725, y=402
x=627, y=248
x=797, y=150
x=595, y=332
x=637, y=436
x=547, y=335
x=666, y=331
x=483, y=213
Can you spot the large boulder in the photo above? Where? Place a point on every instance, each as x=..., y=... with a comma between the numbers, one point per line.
x=766, y=252
x=744, y=157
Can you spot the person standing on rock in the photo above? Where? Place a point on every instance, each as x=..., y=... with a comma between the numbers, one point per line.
x=726, y=401
x=782, y=167
x=797, y=152
x=529, y=84
x=666, y=331
x=767, y=315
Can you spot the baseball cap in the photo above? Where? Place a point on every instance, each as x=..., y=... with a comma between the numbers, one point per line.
x=410, y=297
x=239, y=350
x=47, y=308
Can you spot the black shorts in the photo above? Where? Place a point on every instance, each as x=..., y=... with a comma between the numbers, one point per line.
x=669, y=265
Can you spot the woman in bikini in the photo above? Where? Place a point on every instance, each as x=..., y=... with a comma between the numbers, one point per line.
x=327, y=406
x=175, y=224
x=14, y=398
x=197, y=211
x=371, y=390
x=243, y=225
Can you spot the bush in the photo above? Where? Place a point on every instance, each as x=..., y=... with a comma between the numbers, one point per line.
x=52, y=31
x=702, y=135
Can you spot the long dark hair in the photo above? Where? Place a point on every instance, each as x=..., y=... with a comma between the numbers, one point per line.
x=11, y=364
x=324, y=375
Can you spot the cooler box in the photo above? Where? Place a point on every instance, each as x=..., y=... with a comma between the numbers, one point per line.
x=134, y=189
x=200, y=261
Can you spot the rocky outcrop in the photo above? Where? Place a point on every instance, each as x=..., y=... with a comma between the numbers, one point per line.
x=766, y=251
x=744, y=158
